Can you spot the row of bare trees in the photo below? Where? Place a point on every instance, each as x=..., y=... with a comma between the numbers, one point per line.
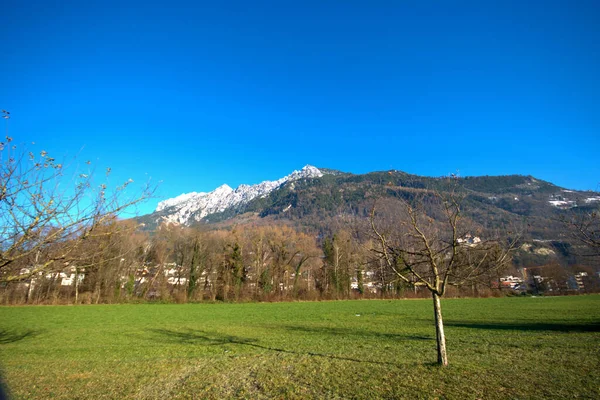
x=267, y=263
x=182, y=264
x=120, y=263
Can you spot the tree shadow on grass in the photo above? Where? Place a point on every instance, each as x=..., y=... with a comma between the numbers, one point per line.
x=526, y=326
x=11, y=336
x=362, y=333
x=196, y=336
x=191, y=336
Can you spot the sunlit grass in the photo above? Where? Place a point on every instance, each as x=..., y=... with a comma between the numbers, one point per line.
x=498, y=348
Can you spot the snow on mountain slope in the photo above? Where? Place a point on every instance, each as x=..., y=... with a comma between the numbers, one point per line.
x=178, y=200
x=190, y=207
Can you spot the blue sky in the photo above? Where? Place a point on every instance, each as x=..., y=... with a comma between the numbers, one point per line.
x=196, y=94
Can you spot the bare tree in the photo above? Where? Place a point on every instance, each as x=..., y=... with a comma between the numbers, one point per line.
x=585, y=229
x=45, y=216
x=427, y=242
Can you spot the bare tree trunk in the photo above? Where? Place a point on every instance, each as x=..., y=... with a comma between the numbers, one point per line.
x=98, y=284
x=29, y=291
x=76, y=285
x=382, y=273
x=335, y=265
x=439, y=330
x=257, y=272
x=31, y=280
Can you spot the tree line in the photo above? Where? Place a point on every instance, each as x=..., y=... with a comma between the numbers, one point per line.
x=121, y=263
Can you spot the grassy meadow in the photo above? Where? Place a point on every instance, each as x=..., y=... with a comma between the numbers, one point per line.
x=498, y=348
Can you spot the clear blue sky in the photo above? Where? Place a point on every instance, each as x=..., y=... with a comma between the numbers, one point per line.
x=196, y=94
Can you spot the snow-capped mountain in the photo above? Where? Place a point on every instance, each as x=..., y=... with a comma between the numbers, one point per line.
x=322, y=203
x=190, y=207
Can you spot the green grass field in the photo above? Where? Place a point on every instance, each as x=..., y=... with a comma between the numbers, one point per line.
x=498, y=348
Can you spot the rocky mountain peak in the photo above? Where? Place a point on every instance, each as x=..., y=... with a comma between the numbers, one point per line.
x=190, y=207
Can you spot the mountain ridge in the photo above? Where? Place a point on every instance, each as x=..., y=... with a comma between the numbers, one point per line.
x=315, y=198
x=193, y=207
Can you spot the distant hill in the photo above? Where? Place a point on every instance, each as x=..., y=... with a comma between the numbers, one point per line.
x=321, y=199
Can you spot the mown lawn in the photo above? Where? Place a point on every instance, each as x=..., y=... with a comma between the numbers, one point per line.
x=499, y=348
